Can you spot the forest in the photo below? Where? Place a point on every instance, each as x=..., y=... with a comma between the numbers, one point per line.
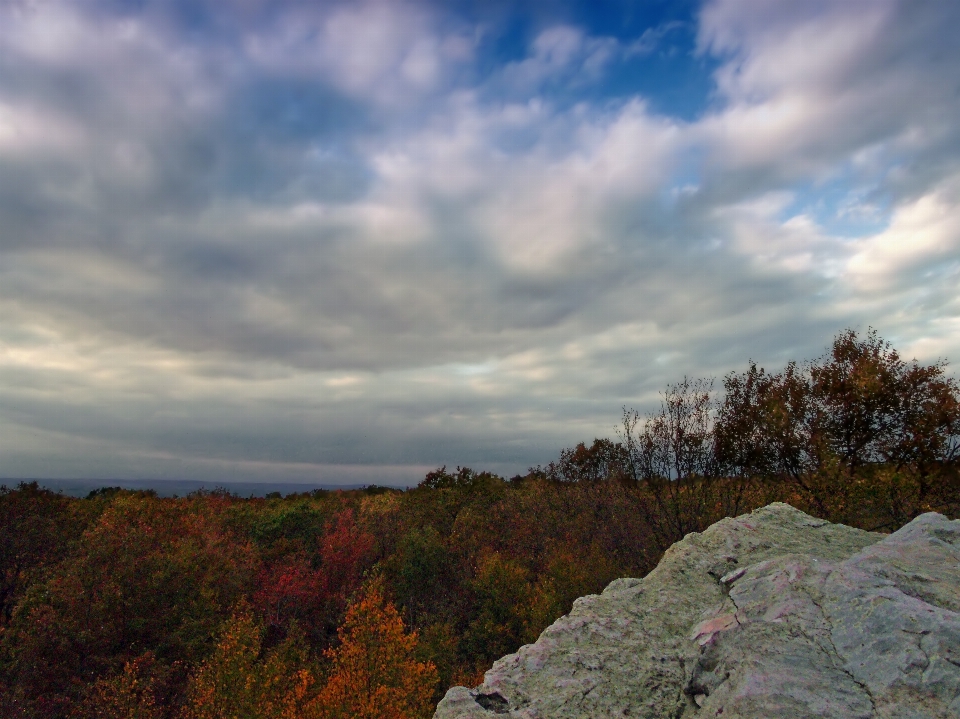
x=372, y=602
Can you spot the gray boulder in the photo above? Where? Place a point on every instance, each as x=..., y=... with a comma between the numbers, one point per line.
x=772, y=614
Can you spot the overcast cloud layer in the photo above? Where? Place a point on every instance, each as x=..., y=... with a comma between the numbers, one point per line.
x=354, y=241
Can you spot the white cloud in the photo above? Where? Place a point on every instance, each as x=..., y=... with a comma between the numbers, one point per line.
x=560, y=54
x=26, y=131
x=537, y=209
x=388, y=53
x=806, y=86
x=651, y=39
x=796, y=245
x=922, y=234
x=810, y=47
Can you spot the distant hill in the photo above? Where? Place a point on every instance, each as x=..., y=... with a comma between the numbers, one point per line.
x=178, y=487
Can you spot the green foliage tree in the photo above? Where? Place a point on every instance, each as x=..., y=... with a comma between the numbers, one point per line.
x=284, y=526
x=603, y=460
x=423, y=572
x=502, y=592
x=463, y=478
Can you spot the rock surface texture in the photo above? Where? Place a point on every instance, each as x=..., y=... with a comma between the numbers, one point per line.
x=772, y=614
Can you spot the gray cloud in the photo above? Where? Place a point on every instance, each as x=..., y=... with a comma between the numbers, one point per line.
x=259, y=240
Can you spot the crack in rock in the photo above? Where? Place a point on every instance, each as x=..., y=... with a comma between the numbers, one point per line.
x=835, y=654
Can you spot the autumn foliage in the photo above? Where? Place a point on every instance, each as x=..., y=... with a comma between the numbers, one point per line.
x=241, y=680
x=370, y=603
x=374, y=671
x=127, y=695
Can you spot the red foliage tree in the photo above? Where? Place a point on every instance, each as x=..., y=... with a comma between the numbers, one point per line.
x=289, y=590
x=345, y=554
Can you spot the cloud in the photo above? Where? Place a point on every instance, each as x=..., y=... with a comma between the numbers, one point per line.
x=805, y=88
x=388, y=53
x=307, y=236
x=651, y=39
x=921, y=241
x=560, y=53
x=852, y=93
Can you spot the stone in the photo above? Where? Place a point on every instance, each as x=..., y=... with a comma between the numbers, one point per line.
x=772, y=614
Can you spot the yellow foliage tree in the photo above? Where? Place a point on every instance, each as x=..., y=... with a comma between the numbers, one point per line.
x=374, y=672
x=235, y=683
x=128, y=695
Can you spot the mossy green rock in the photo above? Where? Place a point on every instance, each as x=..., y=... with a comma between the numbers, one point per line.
x=772, y=614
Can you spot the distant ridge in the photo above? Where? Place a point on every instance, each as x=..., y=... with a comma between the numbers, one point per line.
x=178, y=487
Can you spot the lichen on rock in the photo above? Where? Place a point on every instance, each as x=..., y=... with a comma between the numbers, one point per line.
x=772, y=614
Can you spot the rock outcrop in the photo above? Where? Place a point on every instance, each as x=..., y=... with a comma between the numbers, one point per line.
x=772, y=614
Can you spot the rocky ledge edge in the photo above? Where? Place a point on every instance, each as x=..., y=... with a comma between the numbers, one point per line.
x=771, y=614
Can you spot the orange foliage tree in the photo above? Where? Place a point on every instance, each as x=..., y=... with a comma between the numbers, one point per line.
x=374, y=672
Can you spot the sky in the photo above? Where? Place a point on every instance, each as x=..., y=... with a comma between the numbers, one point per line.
x=350, y=242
